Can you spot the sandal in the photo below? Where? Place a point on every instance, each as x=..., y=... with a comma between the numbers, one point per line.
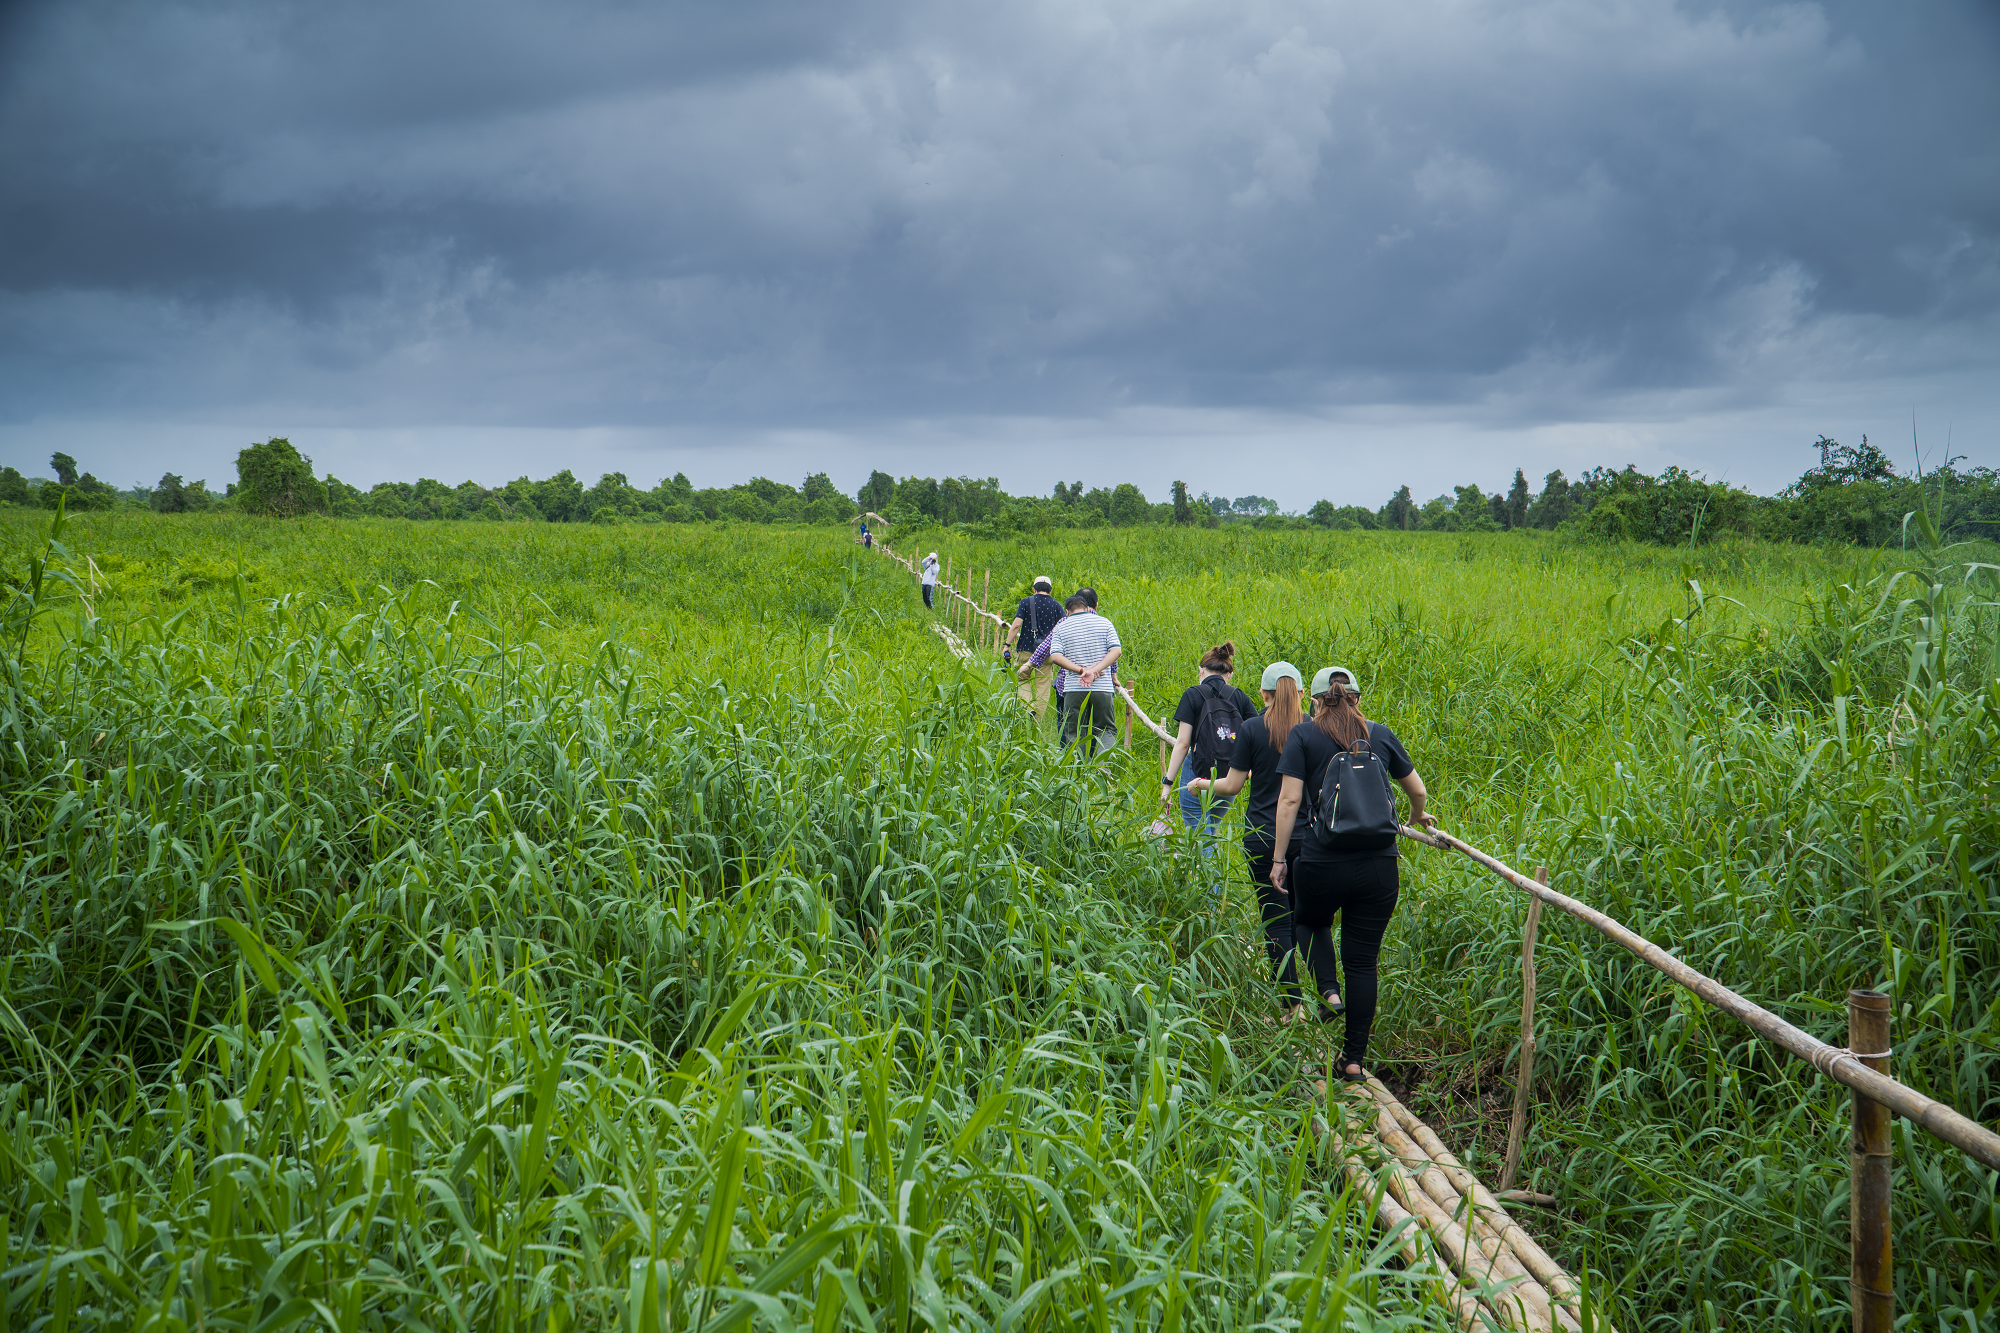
x=1330, y=1007
x=1359, y=1075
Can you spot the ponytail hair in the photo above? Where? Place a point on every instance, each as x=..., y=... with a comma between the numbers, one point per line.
x=1284, y=712
x=1220, y=659
x=1337, y=713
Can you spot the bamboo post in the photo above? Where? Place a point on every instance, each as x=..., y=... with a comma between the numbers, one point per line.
x=985, y=601
x=1518, y=1126
x=1871, y=1281
x=1933, y=1117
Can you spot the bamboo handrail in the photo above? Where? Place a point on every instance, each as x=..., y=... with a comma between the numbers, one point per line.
x=1140, y=713
x=1934, y=1117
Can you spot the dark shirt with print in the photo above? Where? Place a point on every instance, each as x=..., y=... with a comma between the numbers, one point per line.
x=1196, y=696
x=1038, y=615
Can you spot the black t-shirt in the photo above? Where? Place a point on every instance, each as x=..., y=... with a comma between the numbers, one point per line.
x=1189, y=708
x=1038, y=615
x=1195, y=696
x=1256, y=756
x=1307, y=753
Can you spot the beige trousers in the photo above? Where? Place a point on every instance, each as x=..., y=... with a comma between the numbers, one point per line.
x=1034, y=691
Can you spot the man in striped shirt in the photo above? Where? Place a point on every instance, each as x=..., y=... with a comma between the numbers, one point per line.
x=1085, y=645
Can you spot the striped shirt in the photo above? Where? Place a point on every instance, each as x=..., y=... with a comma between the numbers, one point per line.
x=1084, y=637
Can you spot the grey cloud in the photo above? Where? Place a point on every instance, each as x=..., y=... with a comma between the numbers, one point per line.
x=794, y=213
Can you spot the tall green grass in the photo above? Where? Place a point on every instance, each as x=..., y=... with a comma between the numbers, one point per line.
x=367, y=968
x=482, y=902
x=1777, y=762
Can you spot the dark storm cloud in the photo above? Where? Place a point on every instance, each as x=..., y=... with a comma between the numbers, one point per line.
x=773, y=213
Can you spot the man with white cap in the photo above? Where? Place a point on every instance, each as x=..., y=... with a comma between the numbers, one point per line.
x=930, y=579
x=1034, y=619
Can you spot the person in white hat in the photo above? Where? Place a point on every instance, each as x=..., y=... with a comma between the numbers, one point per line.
x=1034, y=619
x=930, y=579
x=1340, y=766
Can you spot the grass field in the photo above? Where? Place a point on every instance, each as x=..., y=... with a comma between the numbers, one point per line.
x=472, y=926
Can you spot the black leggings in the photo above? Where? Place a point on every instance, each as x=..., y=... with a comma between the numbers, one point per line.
x=1363, y=894
x=1277, y=909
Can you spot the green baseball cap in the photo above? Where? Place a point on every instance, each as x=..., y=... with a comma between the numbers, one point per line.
x=1277, y=671
x=1323, y=679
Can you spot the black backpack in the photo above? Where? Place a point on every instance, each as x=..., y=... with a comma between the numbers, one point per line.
x=1215, y=732
x=1357, y=807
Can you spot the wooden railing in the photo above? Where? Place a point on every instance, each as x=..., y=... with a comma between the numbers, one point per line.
x=1860, y=1065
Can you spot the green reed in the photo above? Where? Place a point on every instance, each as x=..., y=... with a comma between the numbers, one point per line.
x=366, y=969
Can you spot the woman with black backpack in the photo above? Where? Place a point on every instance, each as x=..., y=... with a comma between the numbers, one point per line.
x=1260, y=741
x=1340, y=768
x=1209, y=714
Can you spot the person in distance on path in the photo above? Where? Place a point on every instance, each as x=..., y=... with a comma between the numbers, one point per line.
x=1259, y=743
x=1085, y=645
x=1034, y=620
x=1211, y=713
x=930, y=579
x=1354, y=880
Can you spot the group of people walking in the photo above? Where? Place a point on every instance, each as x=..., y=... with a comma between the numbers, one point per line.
x=1319, y=830
x=1320, y=824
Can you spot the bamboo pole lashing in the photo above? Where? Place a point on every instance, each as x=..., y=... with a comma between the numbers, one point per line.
x=1933, y=1117
x=1491, y=1212
x=1417, y=1232
x=1482, y=1254
x=1871, y=1278
x=1524, y=1083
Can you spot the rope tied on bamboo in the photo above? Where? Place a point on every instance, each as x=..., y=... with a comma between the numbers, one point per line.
x=1826, y=1057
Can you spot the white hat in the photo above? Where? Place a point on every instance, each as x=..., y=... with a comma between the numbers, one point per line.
x=1044, y=581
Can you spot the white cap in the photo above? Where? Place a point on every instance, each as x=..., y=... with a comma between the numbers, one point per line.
x=1044, y=581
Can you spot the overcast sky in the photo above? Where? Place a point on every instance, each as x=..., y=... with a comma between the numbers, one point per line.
x=1292, y=247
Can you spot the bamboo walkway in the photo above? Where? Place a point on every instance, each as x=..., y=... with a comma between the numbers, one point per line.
x=1490, y=1271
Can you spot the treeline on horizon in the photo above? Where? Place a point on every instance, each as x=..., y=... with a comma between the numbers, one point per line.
x=1855, y=494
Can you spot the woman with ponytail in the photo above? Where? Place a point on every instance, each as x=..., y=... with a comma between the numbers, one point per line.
x=1259, y=743
x=1350, y=876
x=1211, y=713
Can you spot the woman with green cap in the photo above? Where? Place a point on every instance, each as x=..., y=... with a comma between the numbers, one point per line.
x=1352, y=876
x=1259, y=743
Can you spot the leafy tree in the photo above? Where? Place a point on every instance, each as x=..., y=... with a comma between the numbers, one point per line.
x=770, y=492
x=560, y=498
x=879, y=493
x=1555, y=502
x=170, y=496
x=13, y=486
x=1517, y=502
x=1128, y=506
x=1322, y=513
x=920, y=494
x=344, y=501
x=1183, y=511
x=818, y=486
x=276, y=479
x=1400, y=514
x=1255, y=505
x=65, y=469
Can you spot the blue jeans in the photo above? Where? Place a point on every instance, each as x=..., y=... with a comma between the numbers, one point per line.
x=1202, y=823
